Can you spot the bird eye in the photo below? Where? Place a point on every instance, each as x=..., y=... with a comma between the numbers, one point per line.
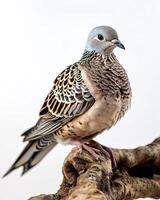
x=100, y=37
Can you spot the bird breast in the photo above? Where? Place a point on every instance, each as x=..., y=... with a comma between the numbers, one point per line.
x=102, y=115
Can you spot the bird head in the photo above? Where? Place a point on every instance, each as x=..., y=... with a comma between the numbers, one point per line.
x=103, y=39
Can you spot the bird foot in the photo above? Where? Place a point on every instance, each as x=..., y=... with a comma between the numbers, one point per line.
x=92, y=150
x=105, y=150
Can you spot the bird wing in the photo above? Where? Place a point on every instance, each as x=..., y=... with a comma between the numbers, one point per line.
x=68, y=98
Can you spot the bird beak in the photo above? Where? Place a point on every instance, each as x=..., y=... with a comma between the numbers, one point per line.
x=118, y=44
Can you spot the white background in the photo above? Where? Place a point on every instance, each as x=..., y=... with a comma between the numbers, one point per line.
x=38, y=38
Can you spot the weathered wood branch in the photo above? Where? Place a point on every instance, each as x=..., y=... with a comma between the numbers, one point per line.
x=137, y=175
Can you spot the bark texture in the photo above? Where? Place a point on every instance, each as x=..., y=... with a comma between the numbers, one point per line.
x=137, y=175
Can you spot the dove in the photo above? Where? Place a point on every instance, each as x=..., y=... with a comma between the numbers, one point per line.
x=88, y=97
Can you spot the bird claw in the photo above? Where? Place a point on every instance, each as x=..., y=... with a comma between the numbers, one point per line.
x=105, y=150
x=93, y=151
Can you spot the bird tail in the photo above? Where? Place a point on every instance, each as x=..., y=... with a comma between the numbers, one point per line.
x=33, y=153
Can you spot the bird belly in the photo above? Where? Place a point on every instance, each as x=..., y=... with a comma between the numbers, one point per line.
x=102, y=115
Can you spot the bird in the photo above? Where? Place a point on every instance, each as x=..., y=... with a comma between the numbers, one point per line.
x=86, y=98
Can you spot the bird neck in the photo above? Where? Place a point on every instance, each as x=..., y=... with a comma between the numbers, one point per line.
x=88, y=54
x=105, y=56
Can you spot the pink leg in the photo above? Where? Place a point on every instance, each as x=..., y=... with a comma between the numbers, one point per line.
x=85, y=146
x=76, y=143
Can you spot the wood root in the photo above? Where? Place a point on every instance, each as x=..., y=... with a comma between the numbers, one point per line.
x=137, y=175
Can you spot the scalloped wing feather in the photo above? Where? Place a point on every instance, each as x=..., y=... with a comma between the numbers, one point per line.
x=69, y=96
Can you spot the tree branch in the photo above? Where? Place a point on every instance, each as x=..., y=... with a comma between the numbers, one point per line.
x=137, y=175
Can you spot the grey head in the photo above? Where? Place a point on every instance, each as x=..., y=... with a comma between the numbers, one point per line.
x=103, y=39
